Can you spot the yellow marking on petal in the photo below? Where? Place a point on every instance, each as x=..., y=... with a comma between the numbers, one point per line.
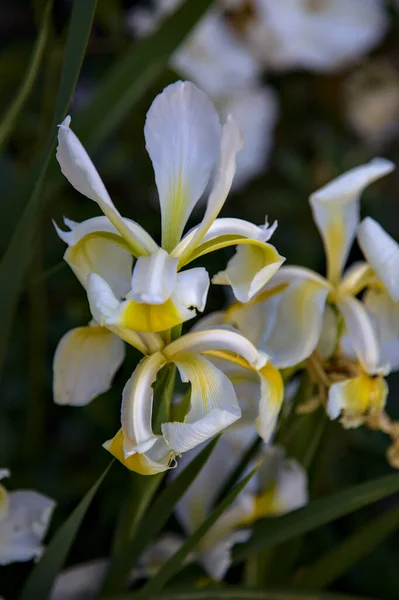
x=139, y=463
x=4, y=502
x=236, y=359
x=219, y=243
x=276, y=384
x=172, y=221
x=153, y=317
x=363, y=397
x=335, y=241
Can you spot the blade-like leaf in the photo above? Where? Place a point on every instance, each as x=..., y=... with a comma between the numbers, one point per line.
x=41, y=579
x=154, y=521
x=19, y=251
x=237, y=593
x=342, y=557
x=269, y=532
x=17, y=103
x=171, y=567
x=130, y=77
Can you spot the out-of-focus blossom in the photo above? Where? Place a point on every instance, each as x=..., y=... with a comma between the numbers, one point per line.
x=371, y=102
x=319, y=35
x=213, y=400
x=288, y=319
x=24, y=519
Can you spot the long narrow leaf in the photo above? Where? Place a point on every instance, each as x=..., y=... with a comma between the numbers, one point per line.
x=269, y=532
x=42, y=577
x=154, y=521
x=130, y=77
x=171, y=567
x=342, y=557
x=19, y=251
x=17, y=103
x=237, y=593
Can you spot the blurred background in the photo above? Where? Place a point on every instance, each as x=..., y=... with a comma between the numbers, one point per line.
x=314, y=85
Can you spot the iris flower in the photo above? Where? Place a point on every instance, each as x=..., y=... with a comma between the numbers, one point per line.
x=300, y=309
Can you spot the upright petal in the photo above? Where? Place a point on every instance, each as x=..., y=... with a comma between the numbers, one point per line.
x=22, y=532
x=213, y=404
x=385, y=313
x=231, y=144
x=357, y=399
x=77, y=167
x=336, y=211
x=250, y=270
x=192, y=287
x=85, y=363
x=136, y=408
x=362, y=333
x=182, y=134
x=382, y=253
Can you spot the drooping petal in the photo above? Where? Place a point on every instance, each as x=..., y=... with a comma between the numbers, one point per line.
x=82, y=581
x=357, y=399
x=98, y=253
x=215, y=339
x=157, y=459
x=215, y=555
x=293, y=330
x=192, y=288
x=136, y=411
x=271, y=399
x=386, y=320
x=213, y=404
x=85, y=363
x=182, y=133
x=382, y=253
x=362, y=333
x=336, y=211
x=250, y=270
x=78, y=168
x=231, y=144
x=154, y=278
x=22, y=531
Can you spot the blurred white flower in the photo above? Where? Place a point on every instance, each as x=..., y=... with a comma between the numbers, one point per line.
x=24, y=519
x=319, y=35
x=371, y=102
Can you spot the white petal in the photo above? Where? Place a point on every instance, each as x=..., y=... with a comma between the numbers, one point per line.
x=81, y=581
x=137, y=406
x=231, y=144
x=192, y=288
x=216, y=339
x=154, y=278
x=213, y=404
x=4, y=473
x=217, y=559
x=157, y=459
x=357, y=399
x=386, y=320
x=158, y=554
x=362, y=333
x=382, y=253
x=78, y=168
x=250, y=270
x=296, y=325
x=271, y=399
x=85, y=364
x=336, y=211
x=22, y=532
x=182, y=134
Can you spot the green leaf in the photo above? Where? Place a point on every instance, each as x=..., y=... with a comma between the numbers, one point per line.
x=154, y=521
x=8, y=120
x=128, y=80
x=172, y=566
x=42, y=577
x=19, y=251
x=239, y=593
x=270, y=532
x=342, y=557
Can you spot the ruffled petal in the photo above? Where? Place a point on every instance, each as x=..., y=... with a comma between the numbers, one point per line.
x=213, y=404
x=78, y=168
x=85, y=363
x=250, y=270
x=382, y=253
x=336, y=211
x=182, y=134
x=192, y=288
x=362, y=333
x=25, y=526
x=357, y=399
x=158, y=459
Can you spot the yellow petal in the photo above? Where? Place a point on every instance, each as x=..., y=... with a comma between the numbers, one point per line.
x=153, y=317
x=357, y=399
x=271, y=399
x=140, y=463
